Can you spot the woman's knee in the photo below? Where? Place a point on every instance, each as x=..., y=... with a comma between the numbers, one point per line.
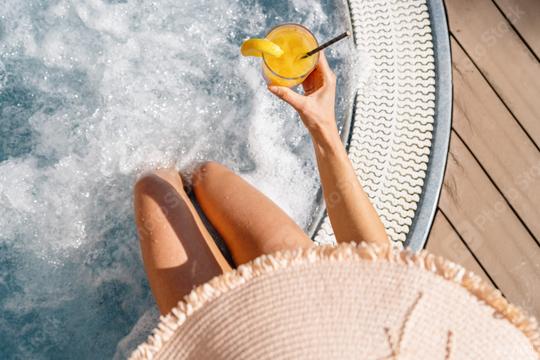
x=206, y=172
x=156, y=194
x=157, y=190
x=157, y=180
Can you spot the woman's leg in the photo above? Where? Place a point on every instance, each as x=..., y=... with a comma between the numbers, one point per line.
x=249, y=222
x=178, y=252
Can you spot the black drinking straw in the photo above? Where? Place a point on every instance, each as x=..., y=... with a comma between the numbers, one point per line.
x=327, y=44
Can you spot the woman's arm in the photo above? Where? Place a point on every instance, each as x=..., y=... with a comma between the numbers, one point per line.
x=352, y=216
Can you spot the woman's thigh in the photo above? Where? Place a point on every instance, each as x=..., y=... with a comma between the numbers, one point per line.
x=249, y=222
x=178, y=252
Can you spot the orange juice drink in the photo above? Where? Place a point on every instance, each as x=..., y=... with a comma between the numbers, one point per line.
x=290, y=69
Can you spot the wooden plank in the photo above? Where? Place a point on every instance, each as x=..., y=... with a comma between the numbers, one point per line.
x=525, y=16
x=501, y=56
x=490, y=228
x=494, y=137
x=444, y=241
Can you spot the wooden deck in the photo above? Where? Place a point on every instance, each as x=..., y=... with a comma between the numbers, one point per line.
x=489, y=212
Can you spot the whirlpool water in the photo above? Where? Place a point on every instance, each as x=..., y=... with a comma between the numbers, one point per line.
x=94, y=92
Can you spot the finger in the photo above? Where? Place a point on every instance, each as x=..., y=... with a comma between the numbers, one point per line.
x=324, y=66
x=323, y=62
x=294, y=99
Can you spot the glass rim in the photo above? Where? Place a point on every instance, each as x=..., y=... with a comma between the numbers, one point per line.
x=307, y=72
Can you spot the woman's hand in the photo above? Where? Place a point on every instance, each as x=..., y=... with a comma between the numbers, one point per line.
x=316, y=106
x=351, y=213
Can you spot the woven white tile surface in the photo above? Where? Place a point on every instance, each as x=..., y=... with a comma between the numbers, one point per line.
x=393, y=121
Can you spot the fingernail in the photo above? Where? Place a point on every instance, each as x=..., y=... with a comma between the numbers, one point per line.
x=272, y=88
